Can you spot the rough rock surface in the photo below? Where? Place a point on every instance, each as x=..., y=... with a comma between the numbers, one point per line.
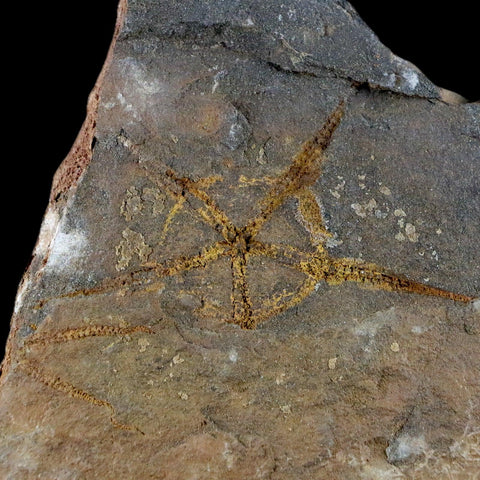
x=260, y=260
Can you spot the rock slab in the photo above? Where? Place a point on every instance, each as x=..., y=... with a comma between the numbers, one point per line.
x=259, y=260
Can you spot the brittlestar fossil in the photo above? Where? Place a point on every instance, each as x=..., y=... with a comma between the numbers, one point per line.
x=240, y=244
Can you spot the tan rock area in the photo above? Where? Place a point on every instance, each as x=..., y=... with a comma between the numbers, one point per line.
x=259, y=261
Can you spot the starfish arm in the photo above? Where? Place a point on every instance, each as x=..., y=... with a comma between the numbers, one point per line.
x=135, y=279
x=184, y=264
x=56, y=383
x=176, y=187
x=338, y=270
x=307, y=287
x=241, y=302
x=310, y=216
x=285, y=254
x=303, y=171
x=211, y=213
x=69, y=334
x=107, y=286
x=177, y=207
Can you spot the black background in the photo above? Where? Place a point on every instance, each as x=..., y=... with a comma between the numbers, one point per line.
x=54, y=52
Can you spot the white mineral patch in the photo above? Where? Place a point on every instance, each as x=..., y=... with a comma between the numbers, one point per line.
x=234, y=133
x=411, y=233
x=233, y=355
x=359, y=210
x=47, y=232
x=128, y=107
x=144, y=82
x=66, y=249
x=332, y=242
x=228, y=456
x=177, y=359
x=238, y=130
x=379, y=472
x=24, y=285
x=405, y=446
x=183, y=395
x=108, y=105
x=335, y=193
x=363, y=209
x=390, y=79
x=411, y=78
x=143, y=343
x=395, y=347
x=132, y=245
x=420, y=329
x=137, y=91
x=216, y=79
x=476, y=306
x=370, y=326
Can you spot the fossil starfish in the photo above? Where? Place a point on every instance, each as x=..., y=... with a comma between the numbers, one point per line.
x=240, y=243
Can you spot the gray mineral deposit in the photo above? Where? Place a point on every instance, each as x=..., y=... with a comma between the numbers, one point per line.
x=259, y=261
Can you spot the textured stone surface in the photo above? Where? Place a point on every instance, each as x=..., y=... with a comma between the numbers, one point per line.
x=258, y=261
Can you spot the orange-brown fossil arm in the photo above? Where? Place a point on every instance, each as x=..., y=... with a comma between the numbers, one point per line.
x=183, y=263
x=321, y=267
x=264, y=313
x=338, y=270
x=211, y=214
x=177, y=187
x=56, y=383
x=136, y=277
x=290, y=257
x=303, y=171
x=84, y=332
x=242, y=305
x=310, y=215
x=283, y=253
